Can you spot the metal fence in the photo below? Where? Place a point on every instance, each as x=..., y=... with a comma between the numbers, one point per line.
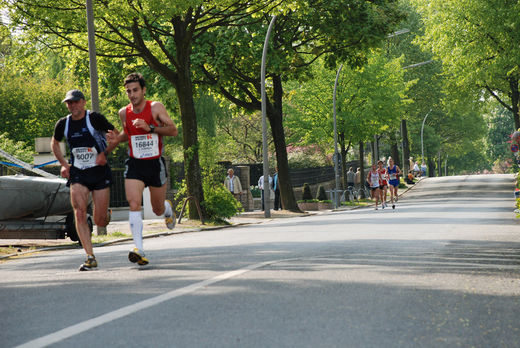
x=299, y=177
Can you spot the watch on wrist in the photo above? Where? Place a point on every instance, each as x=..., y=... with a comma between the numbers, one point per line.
x=152, y=128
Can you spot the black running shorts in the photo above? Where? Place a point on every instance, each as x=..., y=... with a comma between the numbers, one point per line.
x=95, y=178
x=152, y=172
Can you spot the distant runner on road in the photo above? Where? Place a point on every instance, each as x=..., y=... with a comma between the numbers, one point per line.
x=383, y=182
x=373, y=178
x=393, y=173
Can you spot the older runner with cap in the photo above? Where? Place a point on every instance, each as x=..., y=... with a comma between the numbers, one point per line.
x=87, y=171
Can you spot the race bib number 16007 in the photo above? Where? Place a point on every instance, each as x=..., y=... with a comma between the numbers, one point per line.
x=145, y=146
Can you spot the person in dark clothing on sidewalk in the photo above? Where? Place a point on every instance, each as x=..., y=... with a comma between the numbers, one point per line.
x=276, y=189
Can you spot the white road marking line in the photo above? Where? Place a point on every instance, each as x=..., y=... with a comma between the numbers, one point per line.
x=86, y=325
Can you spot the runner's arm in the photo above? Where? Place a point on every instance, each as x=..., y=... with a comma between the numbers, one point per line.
x=65, y=166
x=119, y=137
x=166, y=125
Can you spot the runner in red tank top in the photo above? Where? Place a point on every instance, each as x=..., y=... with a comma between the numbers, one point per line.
x=132, y=118
x=383, y=183
x=145, y=123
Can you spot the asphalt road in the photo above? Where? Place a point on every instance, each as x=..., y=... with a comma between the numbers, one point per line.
x=441, y=270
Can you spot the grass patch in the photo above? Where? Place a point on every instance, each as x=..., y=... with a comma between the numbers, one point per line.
x=109, y=237
x=8, y=250
x=362, y=203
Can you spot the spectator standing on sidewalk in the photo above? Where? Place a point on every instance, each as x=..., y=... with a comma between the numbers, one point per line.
x=276, y=189
x=416, y=169
x=261, y=187
x=357, y=179
x=351, y=177
x=423, y=169
x=232, y=183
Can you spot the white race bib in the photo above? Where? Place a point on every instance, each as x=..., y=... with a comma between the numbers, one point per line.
x=393, y=176
x=84, y=157
x=145, y=146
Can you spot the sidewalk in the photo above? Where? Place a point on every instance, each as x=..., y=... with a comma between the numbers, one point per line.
x=155, y=227
x=151, y=228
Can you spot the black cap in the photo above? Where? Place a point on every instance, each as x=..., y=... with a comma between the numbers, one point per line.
x=73, y=95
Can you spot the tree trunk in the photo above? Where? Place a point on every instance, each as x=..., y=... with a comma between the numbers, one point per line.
x=184, y=88
x=515, y=100
x=343, y=151
x=181, y=80
x=192, y=171
x=373, y=151
x=361, y=163
x=406, y=148
x=394, y=150
x=275, y=116
x=439, y=165
x=431, y=166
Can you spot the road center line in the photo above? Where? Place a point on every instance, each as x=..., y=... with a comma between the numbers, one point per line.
x=130, y=309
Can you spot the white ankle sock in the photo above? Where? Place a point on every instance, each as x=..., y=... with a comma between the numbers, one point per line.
x=136, y=226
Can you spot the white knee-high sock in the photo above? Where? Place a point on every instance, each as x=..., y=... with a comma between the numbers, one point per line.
x=136, y=226
x=167, y=209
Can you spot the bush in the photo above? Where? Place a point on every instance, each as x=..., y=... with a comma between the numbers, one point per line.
x=322, y=195
x=255, y=192
x=308, y=201
x=219, y=203
x=306, y=192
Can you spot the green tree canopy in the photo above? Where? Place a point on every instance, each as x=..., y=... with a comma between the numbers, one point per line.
x=477, y=40
x=304, y=31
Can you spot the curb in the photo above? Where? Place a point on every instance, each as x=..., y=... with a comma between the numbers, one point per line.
x=122, y=240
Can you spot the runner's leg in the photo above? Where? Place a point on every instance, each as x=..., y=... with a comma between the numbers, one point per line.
x=101, y=200
x=79, y=198
x=157, y=198
x=134, y=191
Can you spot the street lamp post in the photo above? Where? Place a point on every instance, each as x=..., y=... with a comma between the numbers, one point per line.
x=267, y=208
x=422, y=131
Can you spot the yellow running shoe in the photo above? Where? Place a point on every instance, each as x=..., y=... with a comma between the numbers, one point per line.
x=170, y=220
x=89, y=263
x=135, y=256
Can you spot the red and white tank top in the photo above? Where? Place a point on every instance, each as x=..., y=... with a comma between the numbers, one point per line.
x=141, y=144
x=384, y=177
x=374, y=179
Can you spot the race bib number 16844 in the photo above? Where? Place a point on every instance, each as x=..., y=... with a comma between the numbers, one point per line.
x=145, y=146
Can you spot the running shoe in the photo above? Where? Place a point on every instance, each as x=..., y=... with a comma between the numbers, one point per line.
x=89, y=264
x=382, y=206
x=135, y=256
x=170, y=220
x=393, y=206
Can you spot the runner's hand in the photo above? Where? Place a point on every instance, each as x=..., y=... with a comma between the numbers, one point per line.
x=101, y=159
x=65, y=171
